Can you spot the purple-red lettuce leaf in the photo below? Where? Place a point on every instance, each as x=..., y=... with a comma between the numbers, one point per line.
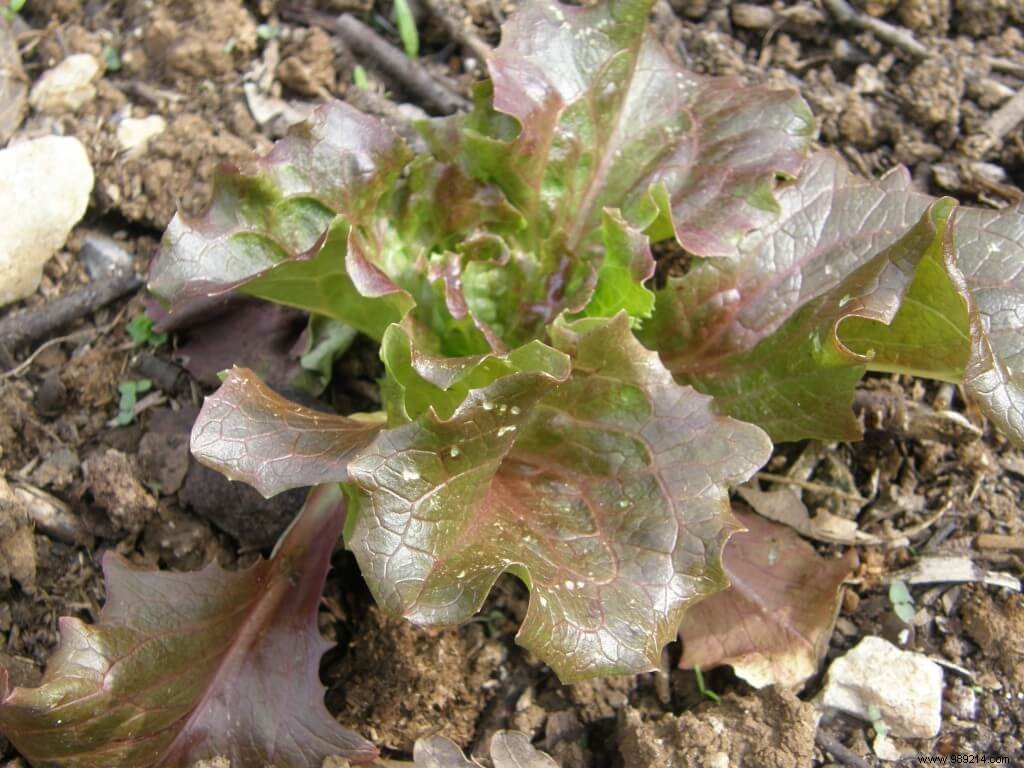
x=773, y=623
x=830, y=224
x=855, y=275
x=605, y=489
x=300, y=227
x=187, y=666
x=602, y=113
x=248, y=432
x=595, y=134
x=986, y=261
x=766, y=333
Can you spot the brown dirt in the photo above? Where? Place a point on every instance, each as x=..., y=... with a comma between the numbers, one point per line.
x=190, y=62
x=769, y=729
x=397, y=682
x=998, y=629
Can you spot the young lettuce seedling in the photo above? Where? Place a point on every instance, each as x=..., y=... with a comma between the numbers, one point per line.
x=546, y=410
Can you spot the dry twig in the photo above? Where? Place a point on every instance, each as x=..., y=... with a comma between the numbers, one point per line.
x=892, y=413
x=839, y=751
x=432, y=91
x=810, y=485
x=997, y=127
x=30, y=325
x=456, y=23
x=898, y=37
x=83, y=334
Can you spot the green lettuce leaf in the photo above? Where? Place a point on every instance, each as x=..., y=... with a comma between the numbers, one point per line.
x=300, y=227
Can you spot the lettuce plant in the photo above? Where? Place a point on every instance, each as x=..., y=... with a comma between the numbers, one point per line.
x=550, y=409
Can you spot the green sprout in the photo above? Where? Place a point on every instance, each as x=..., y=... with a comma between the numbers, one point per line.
x=902, y=601
x=12, y=9
x=140, y=329
x=360, y=79
x=407, y=28
x=130, y=391
x=875, y=716
x=268, y=31
x=111, y=58
x=706, y=692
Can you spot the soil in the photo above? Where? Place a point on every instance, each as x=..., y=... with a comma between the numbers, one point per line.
x=227, y=78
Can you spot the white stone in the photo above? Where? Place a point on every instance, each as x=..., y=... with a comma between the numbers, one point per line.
x=885, y=749
x=44, y=190
x=905, y=687
x=134, y=133
x=68, y=86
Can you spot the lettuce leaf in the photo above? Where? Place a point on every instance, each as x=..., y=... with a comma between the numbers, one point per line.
x=604, y=488
x=299, y=227
x=773, y=623
x=250, y=433
x=986, y=262
x=187, y=666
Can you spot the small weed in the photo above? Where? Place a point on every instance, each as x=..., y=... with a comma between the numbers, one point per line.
x=140, y=329
x=130, y=391
x=360, y=79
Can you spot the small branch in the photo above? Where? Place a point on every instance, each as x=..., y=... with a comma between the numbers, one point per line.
x=839, y=751
x=892, y=413
x=365, y=43
x=898, y=37
x=1002, y=122
x=456, y=23
x=52, y=516
x=30, y=325
x=83, y=334
x=810, y=485
x=1006, y=66
x=998, y=541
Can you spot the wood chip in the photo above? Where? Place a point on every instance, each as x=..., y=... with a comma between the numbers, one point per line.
x=998, y=541
x=952, y=570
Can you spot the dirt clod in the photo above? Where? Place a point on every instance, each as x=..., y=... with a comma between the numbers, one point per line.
x=17, y=543
x=110, y=479
x=399, y=682
x=163, y=460
x=237, y=509
x=999, y=629
x=771, y=728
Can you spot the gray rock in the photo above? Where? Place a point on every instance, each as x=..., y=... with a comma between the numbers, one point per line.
x=103, y=256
